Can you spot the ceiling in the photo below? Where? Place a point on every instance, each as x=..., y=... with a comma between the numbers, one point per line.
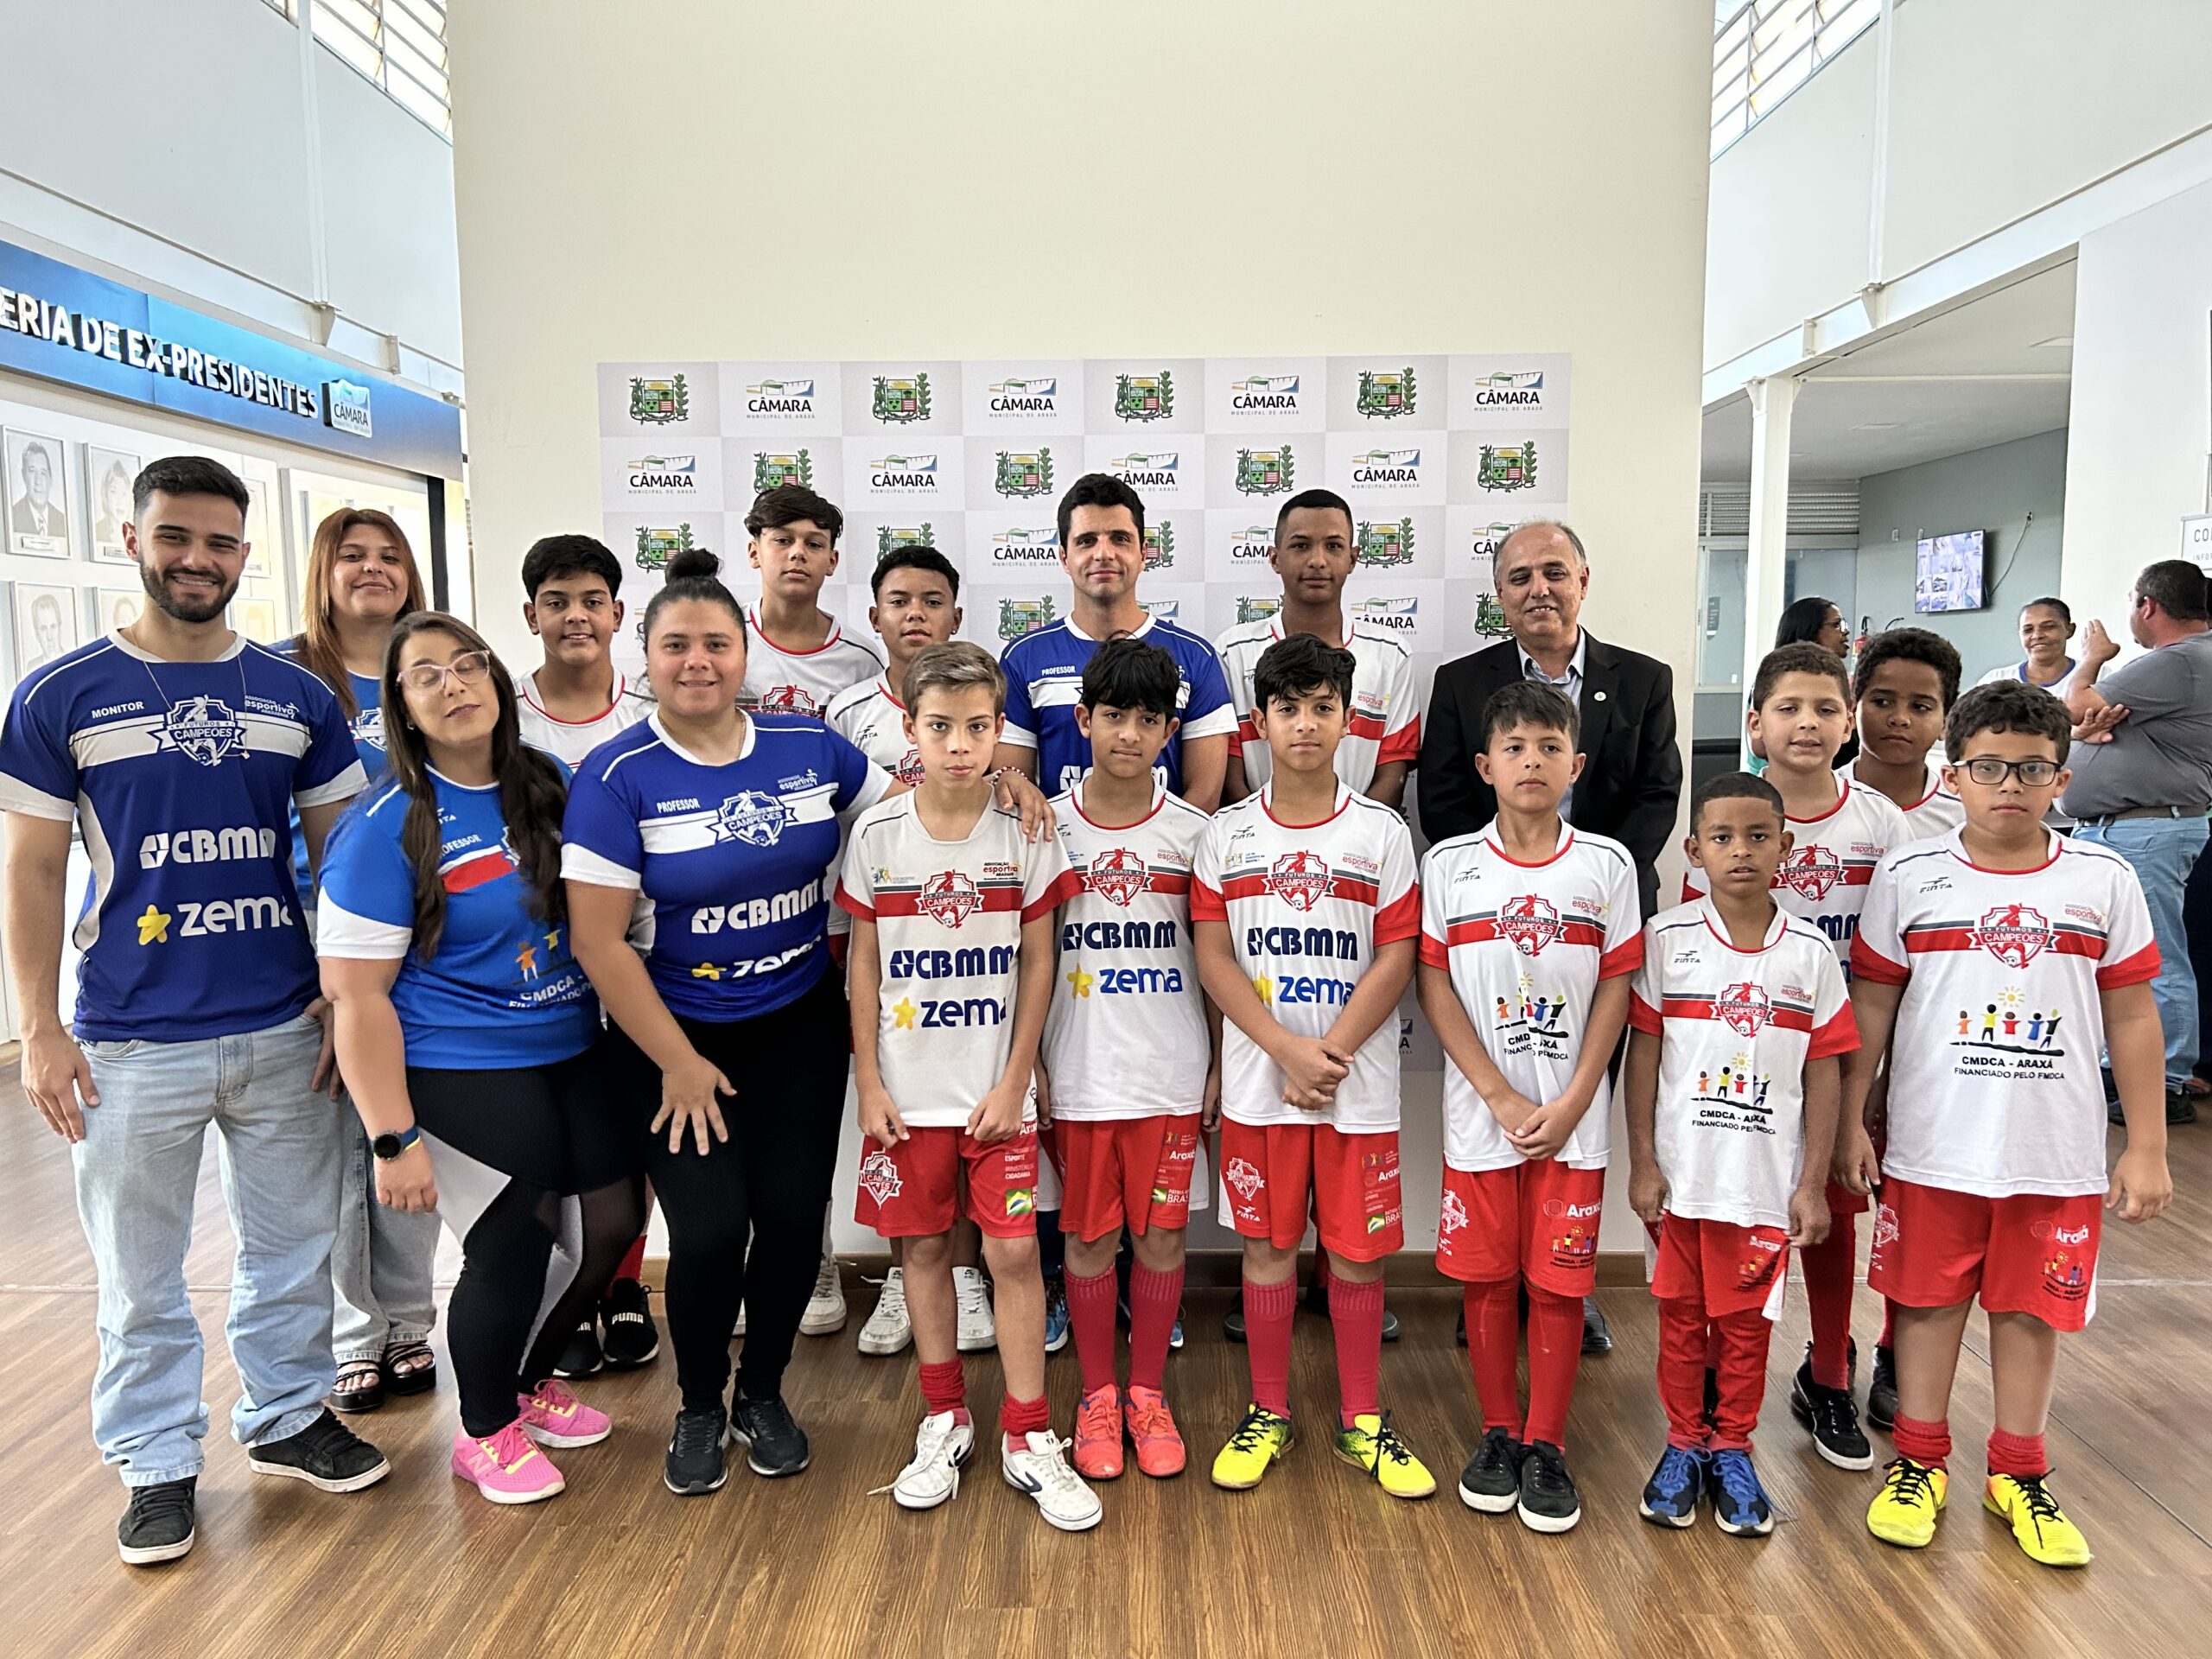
x=1993, y=370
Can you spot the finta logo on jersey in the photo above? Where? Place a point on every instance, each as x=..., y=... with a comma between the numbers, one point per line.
x=757, y=912
x=950, y=898
x=1744, y=1007
x=2015, y=934
x=753, y=817
x=1530, y=921
x=1810, y=871
x=205, y=846
x=215, y=916
x=203, y=728
x=1118, y=875
x=1299, y=879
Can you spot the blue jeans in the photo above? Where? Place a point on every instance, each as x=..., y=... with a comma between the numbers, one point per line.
x=137, y=1173
x=380, y=1265
x=2163, y=851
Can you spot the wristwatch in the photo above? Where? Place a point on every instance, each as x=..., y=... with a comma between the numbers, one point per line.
x=389, y=1145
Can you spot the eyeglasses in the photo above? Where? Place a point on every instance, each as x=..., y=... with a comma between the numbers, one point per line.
x=1991, y=772
x=469, y=668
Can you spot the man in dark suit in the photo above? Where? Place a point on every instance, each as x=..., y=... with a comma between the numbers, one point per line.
x=1632, y=785
x=37, y=511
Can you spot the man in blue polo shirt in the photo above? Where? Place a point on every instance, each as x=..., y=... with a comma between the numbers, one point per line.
x=181, y=748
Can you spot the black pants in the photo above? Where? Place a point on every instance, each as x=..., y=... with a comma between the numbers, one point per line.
x=768, y=1184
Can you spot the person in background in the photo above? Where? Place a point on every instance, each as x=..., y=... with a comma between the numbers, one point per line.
x=2046, y=631
x=111, y=505
x=1815, y=622
x=1903, y=684
x=361, y=580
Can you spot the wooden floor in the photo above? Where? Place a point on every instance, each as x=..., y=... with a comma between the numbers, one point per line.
x=1314, y=1562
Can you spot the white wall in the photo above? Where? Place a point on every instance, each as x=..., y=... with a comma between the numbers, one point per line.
x=982, y=178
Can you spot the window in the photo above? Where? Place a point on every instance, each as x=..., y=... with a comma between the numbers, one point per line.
x=398, y=45
x=1764, y=50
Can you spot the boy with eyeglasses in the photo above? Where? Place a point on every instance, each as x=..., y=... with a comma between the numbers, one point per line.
x=1993, y=964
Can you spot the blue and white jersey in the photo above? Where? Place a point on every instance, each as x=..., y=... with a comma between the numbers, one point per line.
x=1044, y=680
x=503, y=990
x=737, y=861
x=368, y=747
x=183, y=778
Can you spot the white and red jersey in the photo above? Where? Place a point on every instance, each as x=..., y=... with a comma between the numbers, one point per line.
x=1126, y=1034
x=1735, y=1030
x=1526, y=946
x=1385, y=719
x=872, y=720
x=1994, y=1066
x=948, y=918
x=574, y=740
x=1831, y=860
x=1937, y=812
x=1307, y=906
x=801, y=681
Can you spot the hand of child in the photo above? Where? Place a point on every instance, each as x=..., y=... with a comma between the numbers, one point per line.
x=1210, y=1102
x=1012, y=790
x=997, y=1115
x=1310, y=1073
x=1808, y=1217
x=879, y=1119
x=1044, y=1085
x=2142, y=1185
x=1512, y=1110
x=1647, y=1192
x=689, y=1098
x=1855, y=1168
x=1544, y=1130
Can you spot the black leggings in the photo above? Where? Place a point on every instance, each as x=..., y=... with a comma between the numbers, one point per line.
x=768, y=1183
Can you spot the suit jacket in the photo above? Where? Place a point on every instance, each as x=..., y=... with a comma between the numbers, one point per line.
x=1631, y=784
x=57, y=523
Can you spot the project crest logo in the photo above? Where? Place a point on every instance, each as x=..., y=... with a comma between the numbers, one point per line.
x=1019, y=475
x=771, y=471
x=1144, y=396
x=659, y=403
x=657, y=544
x=1266, y=472
x=1386, y=394
x=900, y=400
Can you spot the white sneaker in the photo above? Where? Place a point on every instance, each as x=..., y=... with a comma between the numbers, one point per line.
x=971, y=1293
x=942, y=1445
x=888, y=1330
x=825, y=1309
x=1041, y=1470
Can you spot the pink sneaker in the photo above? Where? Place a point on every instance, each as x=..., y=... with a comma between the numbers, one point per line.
x=506, y=1468
x=553, y=1416
x=1151, y=1429
x=1098, y=1434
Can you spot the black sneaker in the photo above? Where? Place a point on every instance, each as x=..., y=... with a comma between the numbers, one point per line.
x=327, y=1455
x=1459, y=1330
x=2180, y=1108
x=779, y=1443
x=1882, y=1392
x=158, y=1525
x=1232, y=1323
x=1832, y=1416
x=695, y=1464
x=1597, y=1335
x=1391, y=1328
x=1549, y=1500
x=1492, y=1478
x=582, y=1356
x=632, y=1339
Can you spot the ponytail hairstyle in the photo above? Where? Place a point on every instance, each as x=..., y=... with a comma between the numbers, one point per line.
x=317, y=646
x=532, y=791
x=691, y=575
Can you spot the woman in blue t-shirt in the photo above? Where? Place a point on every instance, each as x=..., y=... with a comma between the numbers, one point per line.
x=471, y=1042
x=729, y=1017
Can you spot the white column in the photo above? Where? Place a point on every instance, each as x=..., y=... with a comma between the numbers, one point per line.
x=1767, y=563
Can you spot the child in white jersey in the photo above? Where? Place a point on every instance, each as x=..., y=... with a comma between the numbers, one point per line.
x=952, y=965
x=1306, y=909
x=1529, y=930
x=2003, y=956
x=796, y=657
x=1738, y=1016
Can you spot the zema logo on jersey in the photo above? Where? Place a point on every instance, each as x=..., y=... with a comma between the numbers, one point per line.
x=203, y=728
x=2014, y=934
x=1265, y=391
x=1144, y=396
x=1530, y=922
x=916, y=474
x=205, y=846
x=1522, y=391
x=1040, y=395
x=1745, y=1007
x=1299, y=879
x=1162, y=471
x=754, y=817
x=1118, y=875
x=787, y=399
x=664, y=474
x=1387, y=469
x=1810, y=872
x=950, y=898
x=212, y=916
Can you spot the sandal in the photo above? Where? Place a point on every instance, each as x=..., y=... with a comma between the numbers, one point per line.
x=419, y=1377
x=359, y=1386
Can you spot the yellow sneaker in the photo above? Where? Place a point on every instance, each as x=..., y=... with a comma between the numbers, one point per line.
x=2039, y=1526
x=1371, y=1443
x=1904, y=1512
x=1259, y=1441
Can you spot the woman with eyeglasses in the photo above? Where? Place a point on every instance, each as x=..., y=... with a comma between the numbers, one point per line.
x=471, y=1042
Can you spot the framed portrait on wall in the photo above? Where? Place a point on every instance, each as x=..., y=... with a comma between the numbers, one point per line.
x=256, y=619
x=109, y=474
x=260, y=531
x=116, y=608
x=37, y=493
x=46, y=625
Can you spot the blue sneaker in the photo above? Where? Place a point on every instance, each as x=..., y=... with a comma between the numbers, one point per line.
x=1670, y=1495
x=1739, y=1505
x=1055, y=1315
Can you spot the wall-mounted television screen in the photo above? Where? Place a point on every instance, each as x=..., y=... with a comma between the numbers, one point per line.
x=1949, y=577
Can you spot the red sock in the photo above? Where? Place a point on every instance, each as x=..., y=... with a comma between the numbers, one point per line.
x=1928, y=1443
x=632, y=1265
x=1494, y=1350
x=1154, y=1301
x=1090, y=1316
x=1356, y=1317
x=1889, y=1338
x=2018, y=1455
x=1827, y=1268
x=1269, y=1310
x=1746, y=1337
x=1555, y=1356
x=1684, y=1337
x=1020, y=1418
x=945, y=1388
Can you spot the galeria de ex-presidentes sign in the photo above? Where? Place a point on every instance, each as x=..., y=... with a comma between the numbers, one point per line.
x=63, y=324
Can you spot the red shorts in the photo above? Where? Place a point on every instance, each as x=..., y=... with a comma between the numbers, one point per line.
x=1842, y=1201
x=1133, y=1170
x=2030, y=1254
x=912, y=1191
x=1536, y=1221
x=1726, y=1269
x=1352, y=1181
